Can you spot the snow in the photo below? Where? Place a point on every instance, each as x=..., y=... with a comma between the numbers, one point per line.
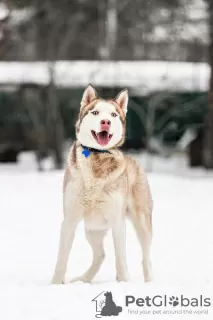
x=19, y=16
x=143, y=76
x=30, y=217
x=196, y=28
x=197, y=9
x=4, y=11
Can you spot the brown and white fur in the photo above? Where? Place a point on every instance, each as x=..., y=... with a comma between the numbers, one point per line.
x=103, y=189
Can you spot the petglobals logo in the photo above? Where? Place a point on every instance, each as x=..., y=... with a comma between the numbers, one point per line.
x=165, y=301
x=106, y=305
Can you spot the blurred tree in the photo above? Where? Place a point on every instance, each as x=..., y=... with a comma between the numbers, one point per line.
x=137, y=25
x=63, y=30
x=5, y=35
x=161, y=30
x=154, y=29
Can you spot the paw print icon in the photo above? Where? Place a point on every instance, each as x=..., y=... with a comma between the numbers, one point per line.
x=173, y=301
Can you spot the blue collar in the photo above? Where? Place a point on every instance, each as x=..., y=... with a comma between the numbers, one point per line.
x=87, y=151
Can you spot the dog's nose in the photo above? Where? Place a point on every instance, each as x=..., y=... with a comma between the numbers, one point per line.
x=105, y=124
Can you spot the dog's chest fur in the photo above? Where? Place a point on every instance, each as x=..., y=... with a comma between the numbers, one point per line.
x=102, y=183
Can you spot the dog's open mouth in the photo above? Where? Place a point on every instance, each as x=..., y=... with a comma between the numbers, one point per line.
x=103, y=137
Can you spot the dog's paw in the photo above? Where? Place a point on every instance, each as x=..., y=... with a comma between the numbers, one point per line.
x=83, y=279
x=147, y=271
x=57, y=280
x=122, y=277
x=148, y=278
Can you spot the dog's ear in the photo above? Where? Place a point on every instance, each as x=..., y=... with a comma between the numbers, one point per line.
x=88, y=96
x=122, y=100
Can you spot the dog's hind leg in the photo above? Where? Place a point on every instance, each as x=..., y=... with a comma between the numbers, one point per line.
x=140, y=212
x=119, y=240
x=95, y=239
x=143, y=230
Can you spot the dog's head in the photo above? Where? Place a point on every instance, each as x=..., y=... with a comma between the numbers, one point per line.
x=102, y=123
x=108, y=294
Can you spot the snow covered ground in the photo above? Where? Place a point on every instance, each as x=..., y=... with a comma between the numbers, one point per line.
x=143, y=76
x=30, y=217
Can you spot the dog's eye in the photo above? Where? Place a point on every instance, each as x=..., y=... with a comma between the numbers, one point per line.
x=95, y=113
x=114, y=114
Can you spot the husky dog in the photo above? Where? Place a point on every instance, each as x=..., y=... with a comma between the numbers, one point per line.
x=102, y=186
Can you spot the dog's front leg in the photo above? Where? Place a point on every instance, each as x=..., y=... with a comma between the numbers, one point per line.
x=119, y=240
x=68, y=228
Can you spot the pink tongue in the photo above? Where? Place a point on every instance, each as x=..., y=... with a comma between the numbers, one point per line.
x=103, y=138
